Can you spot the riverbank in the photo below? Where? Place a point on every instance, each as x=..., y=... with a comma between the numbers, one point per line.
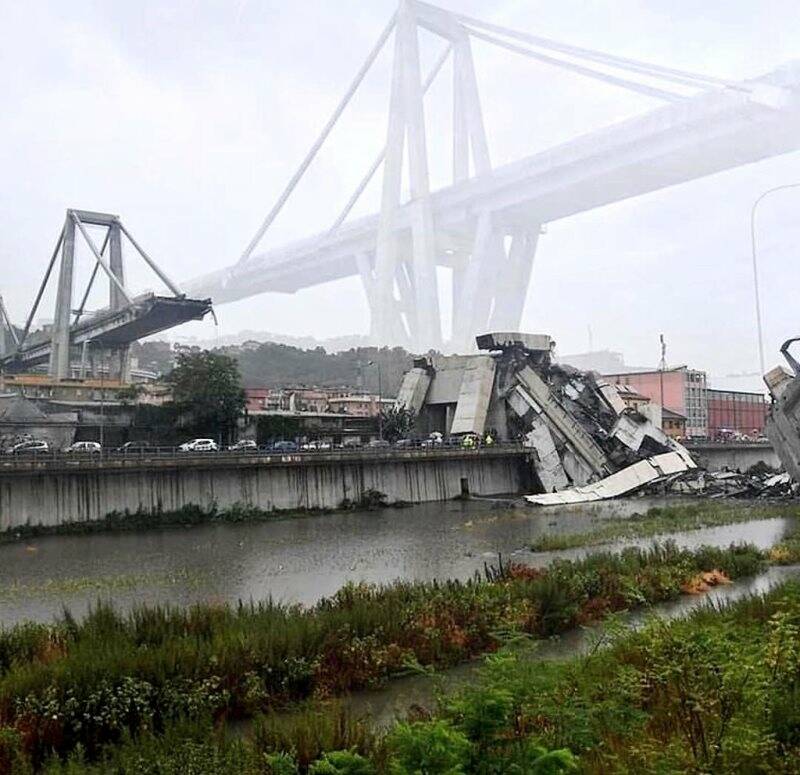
x=716, y=691
x=663, y=520
x=187, y=516
x=84, y=685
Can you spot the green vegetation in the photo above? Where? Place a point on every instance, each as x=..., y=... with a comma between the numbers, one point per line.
x=662, y=520
x=207, y=392
x=716, y=692
x=76, y=687
x=188, y=515
x=281, y=365
x=82, y=585
x=397, y=422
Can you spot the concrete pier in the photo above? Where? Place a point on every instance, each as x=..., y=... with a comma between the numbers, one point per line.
x=53, y=492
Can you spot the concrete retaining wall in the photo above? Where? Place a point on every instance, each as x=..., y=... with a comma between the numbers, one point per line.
x=734, y=457
x=51, y=495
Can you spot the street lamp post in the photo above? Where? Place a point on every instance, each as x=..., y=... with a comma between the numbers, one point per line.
x=754, y=249
x=380, y=398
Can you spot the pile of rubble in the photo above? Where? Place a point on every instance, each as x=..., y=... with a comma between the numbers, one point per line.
x=585, y=443
x=730, y=484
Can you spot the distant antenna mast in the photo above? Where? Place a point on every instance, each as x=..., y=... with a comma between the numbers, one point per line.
x=662, y=367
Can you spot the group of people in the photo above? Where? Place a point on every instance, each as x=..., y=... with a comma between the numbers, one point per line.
x=472, y=440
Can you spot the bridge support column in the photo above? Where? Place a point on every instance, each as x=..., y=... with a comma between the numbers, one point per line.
x=116, y=299
x=59, y=353
x=490, y=292
x=406, y=127
x=513, y=279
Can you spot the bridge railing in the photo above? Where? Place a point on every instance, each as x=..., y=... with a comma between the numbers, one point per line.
x=268, y=454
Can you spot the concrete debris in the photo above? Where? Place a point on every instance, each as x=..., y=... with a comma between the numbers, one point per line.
x=783, y=422
x=579, y=430
x=730, y=484
x=623, y=482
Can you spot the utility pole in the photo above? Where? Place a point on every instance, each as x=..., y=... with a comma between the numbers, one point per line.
x=662, y=366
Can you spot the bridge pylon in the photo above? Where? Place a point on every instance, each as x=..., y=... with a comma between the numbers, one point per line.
x=103, y=335
x=484, y=225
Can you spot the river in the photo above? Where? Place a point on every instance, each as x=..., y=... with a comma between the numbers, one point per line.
x=300, y=559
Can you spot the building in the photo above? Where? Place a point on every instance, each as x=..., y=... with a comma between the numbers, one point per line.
x=295, y=399
x=673, y=424
x=736, y=414
x=681, y=390
x=631, y=397
x=43, y=386
x=359, y=405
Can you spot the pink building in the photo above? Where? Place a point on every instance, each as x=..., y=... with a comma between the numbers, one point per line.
x=358, y=406
x=682, y=390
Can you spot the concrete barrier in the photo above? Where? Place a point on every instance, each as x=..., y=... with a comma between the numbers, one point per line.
x=734, y=456
x=52, y=492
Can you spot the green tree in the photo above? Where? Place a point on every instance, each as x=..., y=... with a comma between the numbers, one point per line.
x=397, y=422
x=207, y=392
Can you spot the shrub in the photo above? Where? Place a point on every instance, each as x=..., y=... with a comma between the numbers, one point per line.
x=433, y=747
x=341, y=763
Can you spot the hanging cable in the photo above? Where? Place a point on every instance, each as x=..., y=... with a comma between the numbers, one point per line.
x=649, y=91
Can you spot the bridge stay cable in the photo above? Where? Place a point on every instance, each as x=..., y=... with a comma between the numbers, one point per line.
x=79, y=311
x=597, y=75
x=365, y=181
x=40, y=292
x=685, y=77
x=99, y=258
x=6, y=320
x=318, y=143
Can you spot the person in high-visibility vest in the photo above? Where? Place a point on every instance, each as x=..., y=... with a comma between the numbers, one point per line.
x=488, y=440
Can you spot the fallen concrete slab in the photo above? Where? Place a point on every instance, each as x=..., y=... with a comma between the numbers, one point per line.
x=622, y=482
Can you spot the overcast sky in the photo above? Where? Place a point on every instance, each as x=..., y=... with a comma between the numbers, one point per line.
x=187, y=119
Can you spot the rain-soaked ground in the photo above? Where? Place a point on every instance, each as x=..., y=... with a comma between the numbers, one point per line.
x=300, y=559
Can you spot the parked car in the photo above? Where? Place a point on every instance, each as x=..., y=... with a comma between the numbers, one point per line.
x=243, y=445
x=135, y=447
x=30, y=448
x=84, y=448
x=315, y=445
x=284, y=446
x=378, y=444
x=406, y=443
x=199, y=445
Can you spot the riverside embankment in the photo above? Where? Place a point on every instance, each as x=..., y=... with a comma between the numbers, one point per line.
x=52, y=491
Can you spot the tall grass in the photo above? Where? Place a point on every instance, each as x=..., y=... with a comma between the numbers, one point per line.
x=715, y=692
x=86, y=684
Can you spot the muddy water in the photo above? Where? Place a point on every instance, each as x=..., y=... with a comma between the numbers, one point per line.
x=298, y=559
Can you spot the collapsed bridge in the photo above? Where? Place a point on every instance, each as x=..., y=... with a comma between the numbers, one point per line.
x=110, y=331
